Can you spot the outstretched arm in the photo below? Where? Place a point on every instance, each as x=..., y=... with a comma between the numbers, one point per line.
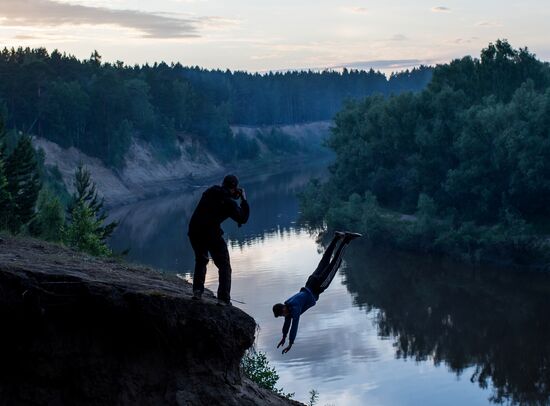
x=286, y=327
x=293, y=332
x=293, y=329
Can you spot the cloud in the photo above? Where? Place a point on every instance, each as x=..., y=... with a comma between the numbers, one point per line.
x=265, y=56
x=441, y=9
x=25, y=37
x=48, y=13
x=489, y=24
x=460, y=41
x=384, y=64
x=217, y=23
x=398, y=37
x=356, y=10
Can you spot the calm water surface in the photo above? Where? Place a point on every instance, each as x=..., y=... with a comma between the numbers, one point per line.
x=392, y=329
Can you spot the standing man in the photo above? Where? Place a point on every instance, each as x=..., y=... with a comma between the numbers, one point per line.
x=316, y=284
x=216, y=205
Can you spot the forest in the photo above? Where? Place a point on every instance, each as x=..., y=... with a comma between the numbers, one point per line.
x=98, y=107
x=461, y=168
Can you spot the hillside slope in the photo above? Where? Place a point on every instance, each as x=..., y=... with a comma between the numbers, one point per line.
x=145, y=175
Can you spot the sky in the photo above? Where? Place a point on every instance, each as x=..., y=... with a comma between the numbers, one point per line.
x=262, y=35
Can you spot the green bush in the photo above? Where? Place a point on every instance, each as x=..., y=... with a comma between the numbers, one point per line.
x=50, y=218
x=255, y=366
x=81, y=232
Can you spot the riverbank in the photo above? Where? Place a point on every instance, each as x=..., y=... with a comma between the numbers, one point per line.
x=81, y=330
x=511, y=244
x=145, y=175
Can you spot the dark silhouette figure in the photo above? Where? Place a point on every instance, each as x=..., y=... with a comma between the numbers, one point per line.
x=206, y=235
x=316, y=284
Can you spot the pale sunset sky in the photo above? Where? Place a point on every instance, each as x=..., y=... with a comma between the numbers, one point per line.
x=260, y=35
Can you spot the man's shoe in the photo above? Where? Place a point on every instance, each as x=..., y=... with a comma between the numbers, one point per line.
x=197, y=295
x=351, y=236
x=224, y=302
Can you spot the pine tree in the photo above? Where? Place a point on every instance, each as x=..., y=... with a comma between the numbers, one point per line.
x=49, y=221
x=82, y=231
x=86, y=192
x=85, y=230
x=23, y=184
x=5, y=197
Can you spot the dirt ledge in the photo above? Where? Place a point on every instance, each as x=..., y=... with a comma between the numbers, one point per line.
x=86, y=331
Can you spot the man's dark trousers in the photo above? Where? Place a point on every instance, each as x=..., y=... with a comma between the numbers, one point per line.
x=217, y=247
x=321, y=278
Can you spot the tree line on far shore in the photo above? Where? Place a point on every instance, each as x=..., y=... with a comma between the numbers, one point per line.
x=98, y=107
x=461, y=168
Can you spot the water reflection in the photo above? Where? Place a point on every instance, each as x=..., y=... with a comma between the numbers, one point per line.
x=155, y=230
x=337, y=350
x=492, y=320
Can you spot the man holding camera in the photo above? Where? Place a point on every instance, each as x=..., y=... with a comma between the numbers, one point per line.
x=216, y=205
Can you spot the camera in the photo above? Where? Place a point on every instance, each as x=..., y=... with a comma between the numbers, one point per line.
x=238, y=193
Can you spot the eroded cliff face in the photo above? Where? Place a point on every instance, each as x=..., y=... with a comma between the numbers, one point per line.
x=143, y=175
x=79, y=330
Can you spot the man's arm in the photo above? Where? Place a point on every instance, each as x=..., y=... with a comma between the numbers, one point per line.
x=293, y=331
x=286, y=327
x=239, y=213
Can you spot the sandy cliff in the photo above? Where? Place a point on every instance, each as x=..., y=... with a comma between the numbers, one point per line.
x=144, y=175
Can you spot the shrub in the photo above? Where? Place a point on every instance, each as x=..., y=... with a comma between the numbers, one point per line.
x=255, y=366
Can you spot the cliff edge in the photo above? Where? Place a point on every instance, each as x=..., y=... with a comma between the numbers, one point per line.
x=86, y=331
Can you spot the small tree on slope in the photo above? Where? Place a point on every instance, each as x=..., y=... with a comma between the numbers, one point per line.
x=23, y=184
x=86, y=230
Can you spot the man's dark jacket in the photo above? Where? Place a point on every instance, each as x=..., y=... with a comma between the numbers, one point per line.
x=215, y=206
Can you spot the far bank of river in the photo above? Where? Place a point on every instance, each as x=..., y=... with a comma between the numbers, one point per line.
x=144, y=174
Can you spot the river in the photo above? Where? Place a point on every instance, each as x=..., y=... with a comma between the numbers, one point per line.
x=392, y=329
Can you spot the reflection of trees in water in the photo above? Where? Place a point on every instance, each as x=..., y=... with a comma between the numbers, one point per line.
x=495, y=321
x=282, y=232
x=156, y=230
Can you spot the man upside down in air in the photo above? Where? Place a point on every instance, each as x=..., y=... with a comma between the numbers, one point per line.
x=316, y=284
